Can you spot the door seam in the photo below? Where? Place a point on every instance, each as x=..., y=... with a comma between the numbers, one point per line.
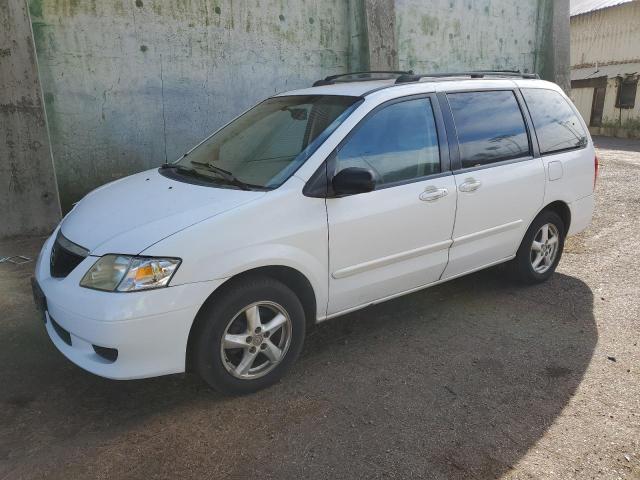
x=453, y=227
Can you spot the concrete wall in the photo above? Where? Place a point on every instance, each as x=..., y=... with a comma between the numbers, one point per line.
x=28, y=195
x=454, y=35
x=130, y=83
x=554, y=49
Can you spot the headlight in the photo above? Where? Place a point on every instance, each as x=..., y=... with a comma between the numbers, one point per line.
x=123, y=273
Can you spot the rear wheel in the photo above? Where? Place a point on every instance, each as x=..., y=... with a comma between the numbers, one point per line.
x=248, y=337
x=541, y=248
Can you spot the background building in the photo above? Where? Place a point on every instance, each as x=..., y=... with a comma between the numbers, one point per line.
x=128, y=84
x=605, y=64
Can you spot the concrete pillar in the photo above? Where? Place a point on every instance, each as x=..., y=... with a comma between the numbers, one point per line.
x=380, y=19
x=373, y=35
x=29, y=201
x=552, y=61
x=358, y=43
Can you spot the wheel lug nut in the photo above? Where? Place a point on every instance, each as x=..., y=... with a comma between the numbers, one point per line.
x=266, y=334
x=249, y=339
x=258, y=329
x=263, y=346
x=252, y=349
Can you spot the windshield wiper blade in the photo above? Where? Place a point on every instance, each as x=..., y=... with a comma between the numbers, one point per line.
x=183, y=169
x=227, y=175
x=221, y=172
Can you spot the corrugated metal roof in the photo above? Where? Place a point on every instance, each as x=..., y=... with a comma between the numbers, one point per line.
x=609, y=71
x=578, y=7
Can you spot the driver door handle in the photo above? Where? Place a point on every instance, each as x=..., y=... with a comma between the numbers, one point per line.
x=431, y=194
x=470, y=185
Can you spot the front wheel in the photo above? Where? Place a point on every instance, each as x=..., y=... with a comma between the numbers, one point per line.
x=541, y=248
x=248, y=337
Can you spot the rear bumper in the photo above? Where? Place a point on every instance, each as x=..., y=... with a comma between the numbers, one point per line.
x=148, y=329
x=581, y=213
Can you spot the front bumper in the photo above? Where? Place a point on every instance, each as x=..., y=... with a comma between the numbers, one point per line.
x=149, y=329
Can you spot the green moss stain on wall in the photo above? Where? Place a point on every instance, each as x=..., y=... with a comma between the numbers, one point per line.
x=71, y=8
x=35, y=8
x=429, y=25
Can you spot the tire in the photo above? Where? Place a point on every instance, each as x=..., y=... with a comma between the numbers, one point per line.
x=524, y=265
x=230, y=315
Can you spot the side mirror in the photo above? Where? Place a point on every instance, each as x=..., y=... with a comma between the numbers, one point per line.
x=353, y=180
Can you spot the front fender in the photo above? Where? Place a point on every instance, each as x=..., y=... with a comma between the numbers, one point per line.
x=283, y=228
x=250, y=258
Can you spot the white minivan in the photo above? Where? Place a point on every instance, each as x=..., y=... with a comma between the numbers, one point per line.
x=312, y=204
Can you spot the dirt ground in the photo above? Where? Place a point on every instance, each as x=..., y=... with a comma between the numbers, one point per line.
x=477, y=378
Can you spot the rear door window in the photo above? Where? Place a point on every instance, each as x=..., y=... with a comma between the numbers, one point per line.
x=490, y=127
x=557, y=125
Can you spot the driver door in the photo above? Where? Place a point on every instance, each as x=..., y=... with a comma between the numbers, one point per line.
x=395, y=238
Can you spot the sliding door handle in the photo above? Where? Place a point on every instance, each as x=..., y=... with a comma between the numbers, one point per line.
x=470, y=185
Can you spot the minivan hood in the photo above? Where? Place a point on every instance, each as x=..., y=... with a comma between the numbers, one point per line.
x=129, y=215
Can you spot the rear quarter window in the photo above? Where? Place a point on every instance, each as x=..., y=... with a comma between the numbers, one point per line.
x=556, y=123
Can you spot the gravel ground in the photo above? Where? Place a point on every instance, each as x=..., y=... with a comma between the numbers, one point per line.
x=476, y=378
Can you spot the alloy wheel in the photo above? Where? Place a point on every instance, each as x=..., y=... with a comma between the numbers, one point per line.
x=256, y=340
x=544, y=248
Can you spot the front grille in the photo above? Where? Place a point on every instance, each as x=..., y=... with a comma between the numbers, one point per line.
x=65, y=256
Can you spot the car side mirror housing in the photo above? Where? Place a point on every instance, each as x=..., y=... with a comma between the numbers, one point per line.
x=353, y=180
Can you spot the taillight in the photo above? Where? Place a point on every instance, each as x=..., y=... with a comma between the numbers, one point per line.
x=596, y=166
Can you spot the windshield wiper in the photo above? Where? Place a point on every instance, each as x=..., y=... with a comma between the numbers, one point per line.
x=225, y=175
x=228, y=176
x=181, y=168
x=185, y=170
x=172, y=166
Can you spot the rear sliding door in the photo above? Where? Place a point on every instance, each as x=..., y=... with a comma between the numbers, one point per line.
x=499, y=178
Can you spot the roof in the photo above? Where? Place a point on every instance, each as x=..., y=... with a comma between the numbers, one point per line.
x=359, y=89
x=355, y=89
x=609, y=71
x=578, y=7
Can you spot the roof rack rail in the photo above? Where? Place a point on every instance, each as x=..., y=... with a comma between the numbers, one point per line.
x=471, y=74
x=362, y=76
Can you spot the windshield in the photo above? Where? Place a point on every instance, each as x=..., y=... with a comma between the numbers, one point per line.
x=266, y=145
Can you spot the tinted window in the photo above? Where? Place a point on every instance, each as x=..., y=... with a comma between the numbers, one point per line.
x=557, y=125
x=398, y=142
x=490, y=127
